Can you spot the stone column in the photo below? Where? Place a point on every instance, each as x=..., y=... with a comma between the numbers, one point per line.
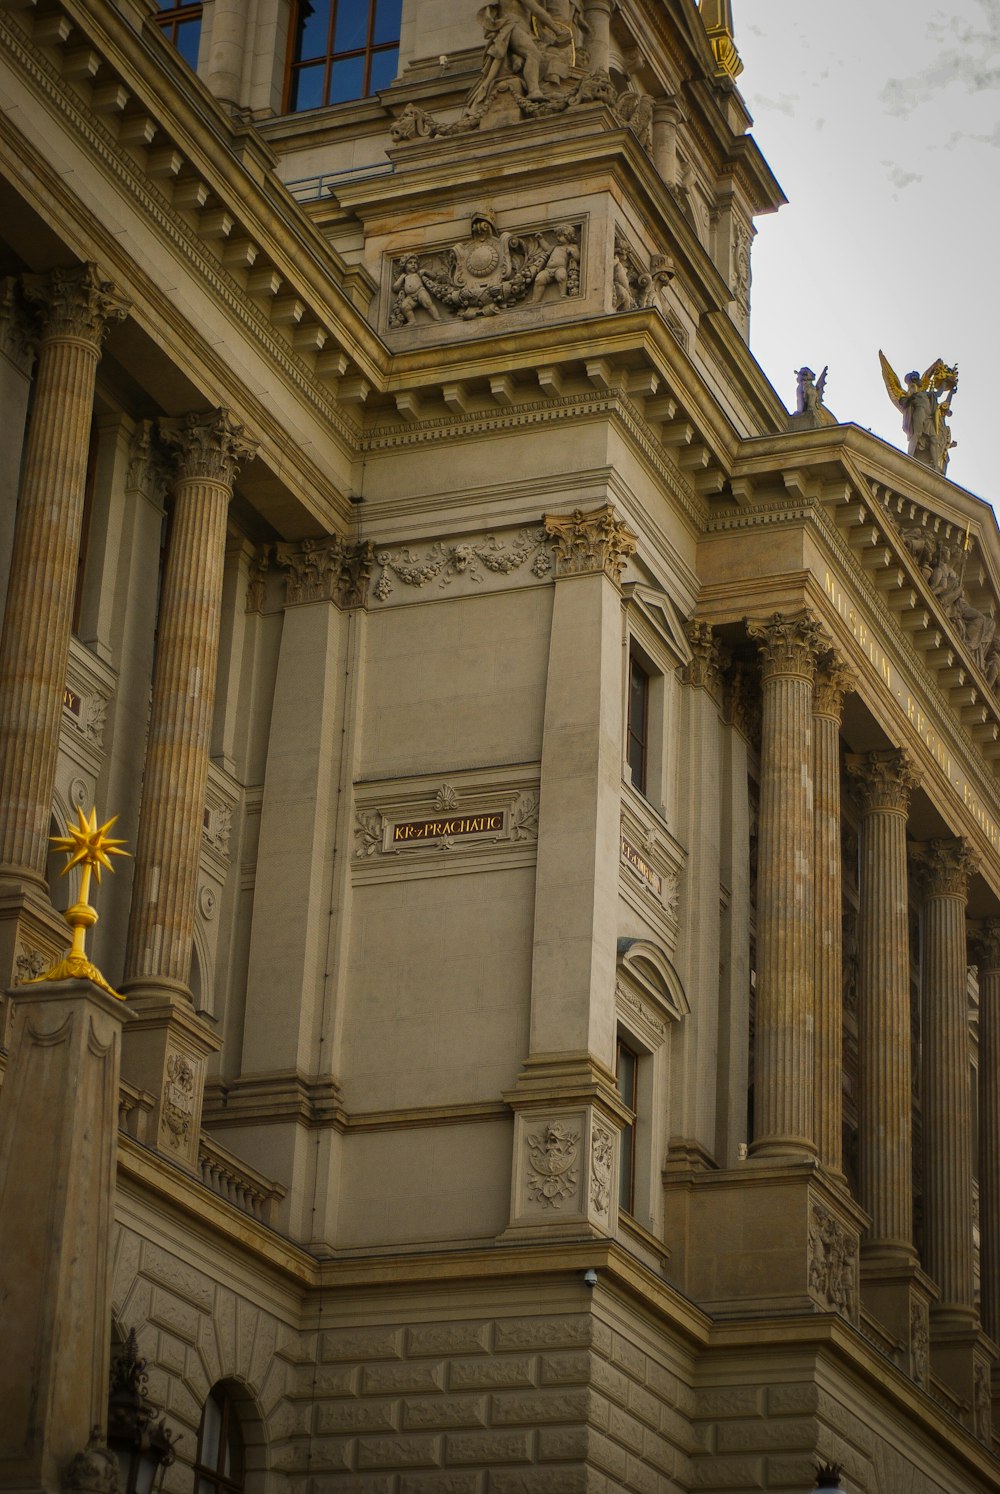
x=210, y=449
x=17, y=357
x=988, y=953
x=166, y=1052
x=226, y=50
x=597, y=14
x=76, y=308
x=666, y=117
x=784, y=1047
x=833, y=681
x=943, y=870
x=884, y=782
x=58, y=1149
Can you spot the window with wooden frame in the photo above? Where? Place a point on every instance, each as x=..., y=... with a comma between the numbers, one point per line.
x=341, y=50
x=637, y=723
x=219, y=1465
x=180, y=21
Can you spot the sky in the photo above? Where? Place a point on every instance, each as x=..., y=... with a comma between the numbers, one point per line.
x=881, y=121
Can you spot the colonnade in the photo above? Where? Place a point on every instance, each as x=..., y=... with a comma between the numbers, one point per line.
x=74, y=309
x=798, y=1058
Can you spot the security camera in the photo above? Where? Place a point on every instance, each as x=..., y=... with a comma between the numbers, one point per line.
x=590, y=1277
x=443, y=59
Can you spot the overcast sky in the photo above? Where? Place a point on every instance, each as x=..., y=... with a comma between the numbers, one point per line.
x=881, y=121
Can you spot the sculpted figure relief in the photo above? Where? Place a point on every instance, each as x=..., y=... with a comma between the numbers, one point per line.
x=488, y=272
x=925, y=412
x=942, y=566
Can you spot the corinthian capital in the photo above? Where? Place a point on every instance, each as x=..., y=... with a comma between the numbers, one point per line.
x=790, y=643
x=833, y=681
x=709, y=656
x=330, y=569
x=210, y=446
x=591, y=542
x=883, y=781
x=986, y=946
x=943, y=867
x=75, y=304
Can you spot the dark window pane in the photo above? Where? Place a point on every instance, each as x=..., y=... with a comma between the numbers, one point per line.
x=313, y=29
x=350, y=29
x=347, y=80
x=187, y=38
x=307, y=87
x=626, y=1173
x=383, y=69
x=638, y=710
x=387, y=14
x=168, y=4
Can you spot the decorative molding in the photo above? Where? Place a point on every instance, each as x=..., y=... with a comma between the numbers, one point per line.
x=260, y=564
x=177, y=1108
x=17, y=331
x=920, y=1343
x=602, y=1161
x=883, y=781
x=986, y=946
x=652, y=889
x=487, y=273
x=743, y=702
x=709, y=657
x=331, y=569
x=474, y=559
x=833, y=1263
x=983, y=1403
x=553, y=1156
x=149, y=468
x=834, y=680
x=587, y=543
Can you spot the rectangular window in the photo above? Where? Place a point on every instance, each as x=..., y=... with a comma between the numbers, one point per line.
x=627, y=1073
x=341, y=50
x=181, y=23
x=637, y=725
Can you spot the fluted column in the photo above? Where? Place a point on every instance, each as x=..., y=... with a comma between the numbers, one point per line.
x=76, y=308
x=943, y=870
x=883, y=783
x=833, y=681
x=988, y=954
x=784, y=1046
x=210, y=449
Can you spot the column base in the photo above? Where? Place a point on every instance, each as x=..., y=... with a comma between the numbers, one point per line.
x=165, y=1051
x=764, y=1238
x=961, y=1367
x=33, y=937
x=897, y=1295
x=564, y=1174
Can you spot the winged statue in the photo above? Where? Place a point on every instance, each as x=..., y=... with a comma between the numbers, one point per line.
x=925, y=411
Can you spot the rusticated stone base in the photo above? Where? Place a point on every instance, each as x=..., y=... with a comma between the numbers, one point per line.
x=773, y=1237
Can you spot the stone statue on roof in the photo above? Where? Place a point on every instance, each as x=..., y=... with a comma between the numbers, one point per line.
x=925, y=412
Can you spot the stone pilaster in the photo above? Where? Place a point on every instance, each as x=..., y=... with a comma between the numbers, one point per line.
x=988, y=955
x=784, y=1048
x=832, y=683
x=598, y=17
x=58, y=1148
x=209, y=448
x=883, y=784
x=76, y=307
x=943, y=868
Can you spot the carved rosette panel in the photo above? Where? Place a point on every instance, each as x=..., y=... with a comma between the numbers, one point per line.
x=489, y=272
x=474, y=560
x=591, y=542
x=331, y=569
x=883, y=781
x=553, y=1164
x=790, y=644
x=942, y=868
x=833, y=1263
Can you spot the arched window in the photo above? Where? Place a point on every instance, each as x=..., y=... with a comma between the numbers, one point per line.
x=219, y=1466
x=342, y=49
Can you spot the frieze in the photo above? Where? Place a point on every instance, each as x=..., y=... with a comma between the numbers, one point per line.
x=602, y=1157
x=638, y=287
x=833, y=1263
x=179, y=1100
x=553, y=1155
x=920, y=1343
x=489, y=272
x=472, y=560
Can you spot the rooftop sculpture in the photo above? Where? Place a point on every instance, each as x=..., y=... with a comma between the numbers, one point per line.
x=88, y=846
x=925, y=412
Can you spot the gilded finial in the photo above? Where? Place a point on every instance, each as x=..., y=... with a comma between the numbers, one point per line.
x=718, y=18
x=88, y=846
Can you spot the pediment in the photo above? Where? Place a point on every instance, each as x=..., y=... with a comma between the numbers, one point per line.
x=662, y=616
x=649, y=968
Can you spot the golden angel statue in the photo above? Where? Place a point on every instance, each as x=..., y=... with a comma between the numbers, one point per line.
x=925, y=413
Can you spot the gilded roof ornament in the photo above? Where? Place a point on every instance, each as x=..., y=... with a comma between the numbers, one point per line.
x=925, y=404
x=88, y=846
x=718, y=18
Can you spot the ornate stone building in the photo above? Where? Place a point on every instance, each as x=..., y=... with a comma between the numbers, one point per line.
x=562, y=948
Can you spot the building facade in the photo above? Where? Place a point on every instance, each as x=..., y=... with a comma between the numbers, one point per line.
x=561, y=955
